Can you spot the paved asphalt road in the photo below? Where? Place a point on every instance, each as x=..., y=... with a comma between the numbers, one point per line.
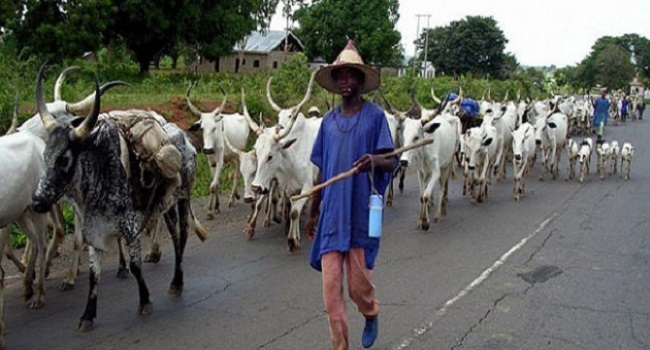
x=565, y=268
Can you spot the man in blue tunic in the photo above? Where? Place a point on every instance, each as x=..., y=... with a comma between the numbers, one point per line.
x=601, y=111
x=467, y=113
x=352, y=134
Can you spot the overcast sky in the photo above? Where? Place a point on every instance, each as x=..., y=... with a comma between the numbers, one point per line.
x=539, y=33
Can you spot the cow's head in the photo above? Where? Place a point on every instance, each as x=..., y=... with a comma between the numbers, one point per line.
x=62, y=111
x=64, y=145
x=284, y=114
x=475, y=144
x=270, y=147
x=209, y=122
x=520, y=139
x=247, y=168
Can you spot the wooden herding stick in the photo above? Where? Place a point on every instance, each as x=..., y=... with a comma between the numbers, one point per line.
x=355, y=169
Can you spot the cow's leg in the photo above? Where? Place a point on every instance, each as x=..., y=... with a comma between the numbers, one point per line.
x=11, y=255
x=153, y=230
x=145, y=306
x=177, y=220
x=73, y=269
x=5, y=237
x=271, y=206
x=213, y=206
x=249, y=230
x=294, y=228
x=122, y=270
x=58, y=235
x=86, y=323
x=35, y=226
x=401, y=180
x=233, y=192
x=276, y=210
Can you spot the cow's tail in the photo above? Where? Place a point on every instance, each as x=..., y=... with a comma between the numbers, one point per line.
x=197, y=227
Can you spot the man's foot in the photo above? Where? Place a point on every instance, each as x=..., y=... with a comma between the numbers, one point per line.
x=370, y=332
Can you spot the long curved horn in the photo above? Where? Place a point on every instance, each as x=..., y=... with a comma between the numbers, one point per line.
x=90, y=99
x=505, y=98
x=518, y=95
x=189, y=102
x=261, y=119
x=435, y=98
x=223, y=103
x=415, y=100
x=308, y=93
x=46, y=117
x=439, y=110
x=83, y=130
x=391, y=109
x=327, y=101
x=489, y=93
x=60, y=80
x=268, y=96
x=251, y=123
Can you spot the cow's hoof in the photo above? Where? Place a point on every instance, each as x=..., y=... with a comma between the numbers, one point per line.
x=36, y=304
x=209, y=216
x=425, y=226
x=86, y=326
x=65, y=286
x=176, y=291
x=249, y=232
x=122, y=273
x=277, y=219
x=153, y=257
x=28, y=293
x=145, y=309
x=293, y=245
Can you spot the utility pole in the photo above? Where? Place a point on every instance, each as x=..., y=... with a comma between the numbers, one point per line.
x=426, y=47
x=415, y=52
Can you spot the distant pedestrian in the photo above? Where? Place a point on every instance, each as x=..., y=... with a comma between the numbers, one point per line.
x=601, y=111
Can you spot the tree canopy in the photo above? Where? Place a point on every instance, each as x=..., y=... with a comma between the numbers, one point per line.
x=473, y=45
x=326, y=25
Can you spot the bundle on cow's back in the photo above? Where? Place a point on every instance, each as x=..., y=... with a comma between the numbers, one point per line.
x=114, y=193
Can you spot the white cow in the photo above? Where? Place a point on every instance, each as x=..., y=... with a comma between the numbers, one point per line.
x=550, y=135
x=523, y=150
x=602, y=152
x=584, y=157
x=480, y=152
x=627, y=153
x=214, y=126
x=572, y=149
x=283, y=154
x=434, y=161
x=21, y=156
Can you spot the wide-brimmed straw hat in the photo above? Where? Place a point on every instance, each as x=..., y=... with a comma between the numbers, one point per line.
x=349, y=57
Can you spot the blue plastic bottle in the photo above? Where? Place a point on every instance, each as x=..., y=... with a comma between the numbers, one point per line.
x=375, y=217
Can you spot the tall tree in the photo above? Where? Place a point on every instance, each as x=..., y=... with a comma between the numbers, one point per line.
x=472, y=45
x=59, y=29
x=614, y=68
x=326, y=25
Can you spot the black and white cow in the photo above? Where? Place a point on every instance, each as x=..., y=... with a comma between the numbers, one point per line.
x=93, y=165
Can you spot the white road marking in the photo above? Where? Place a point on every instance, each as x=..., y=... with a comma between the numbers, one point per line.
x=428, y=324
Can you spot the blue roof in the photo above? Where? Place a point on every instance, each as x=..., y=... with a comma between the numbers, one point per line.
x=266, y=42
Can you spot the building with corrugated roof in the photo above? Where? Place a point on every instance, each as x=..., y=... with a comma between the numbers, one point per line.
x=258, y=51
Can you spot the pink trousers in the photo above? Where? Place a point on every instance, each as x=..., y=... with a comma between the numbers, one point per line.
x=360, y=287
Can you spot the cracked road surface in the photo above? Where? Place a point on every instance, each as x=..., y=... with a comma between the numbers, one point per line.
x=456, y=286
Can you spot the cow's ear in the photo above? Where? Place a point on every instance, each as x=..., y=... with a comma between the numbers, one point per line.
x=286, y=144
x=552, y=125
x=195, y=127
x=429, y=129
x=487, y=141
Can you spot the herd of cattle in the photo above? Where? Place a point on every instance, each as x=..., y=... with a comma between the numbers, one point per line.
x=125, y=172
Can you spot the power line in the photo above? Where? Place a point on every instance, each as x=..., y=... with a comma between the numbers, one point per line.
x=417, y=34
